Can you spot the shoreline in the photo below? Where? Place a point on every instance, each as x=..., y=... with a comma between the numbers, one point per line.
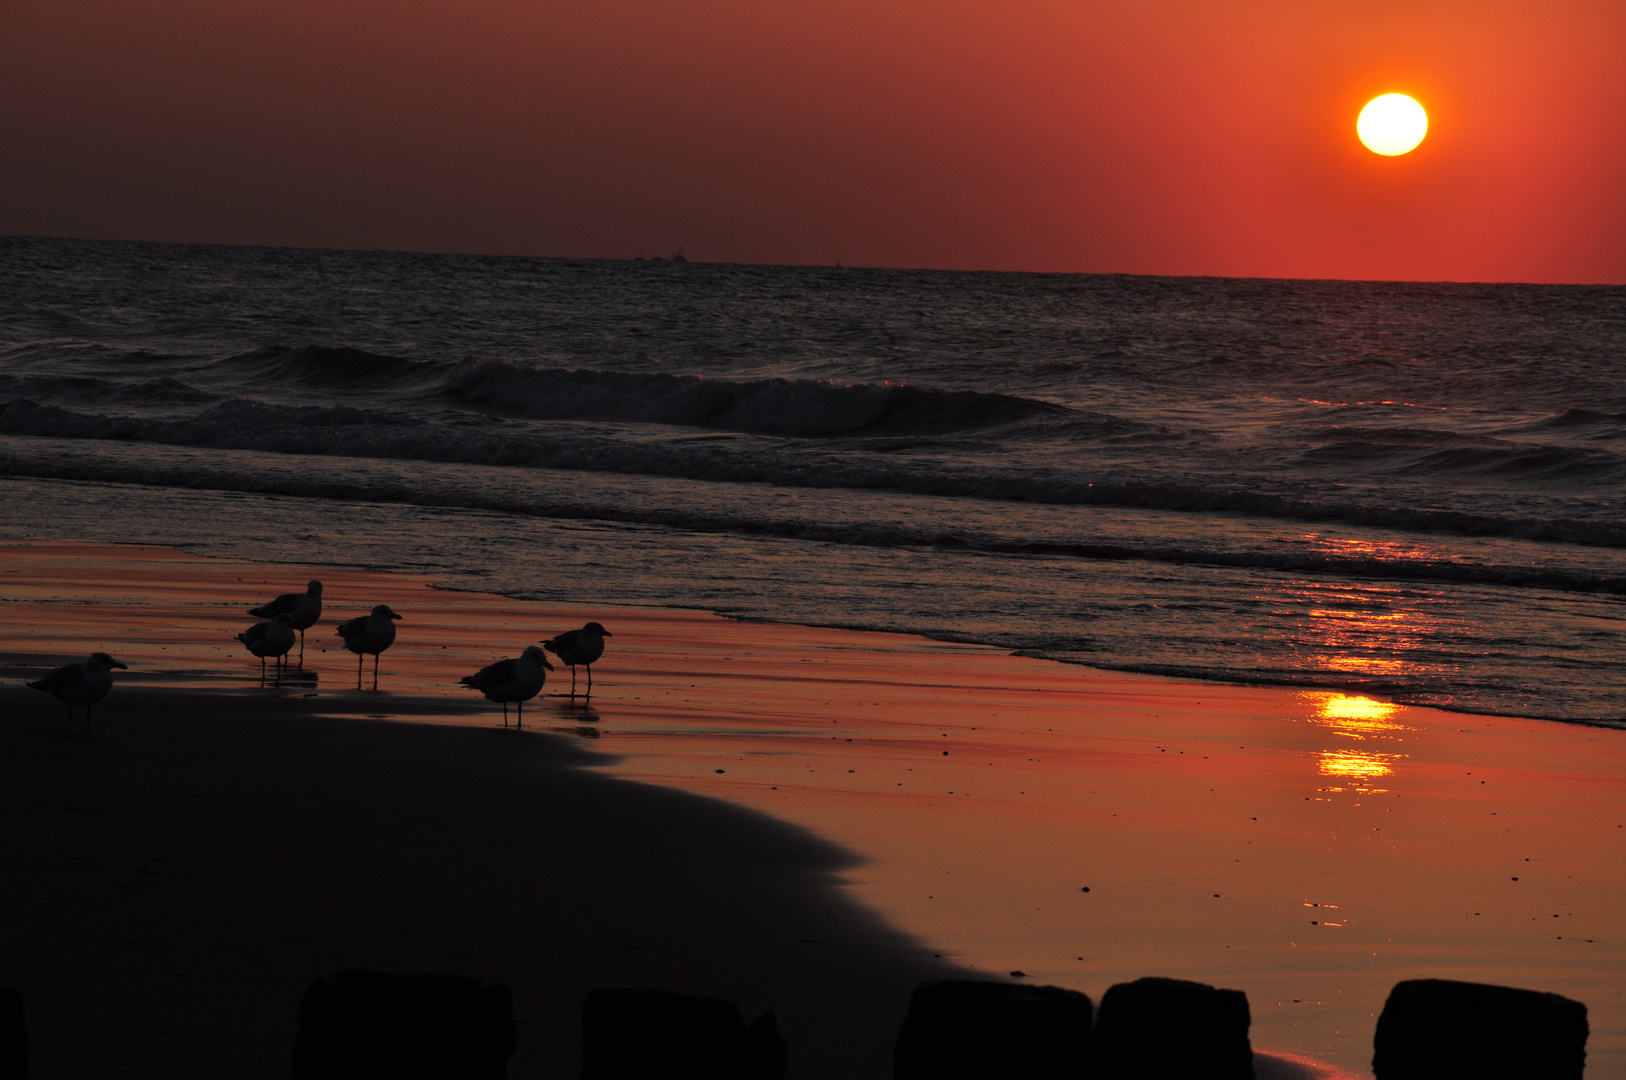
x=1146, y=788
x=1152, y=671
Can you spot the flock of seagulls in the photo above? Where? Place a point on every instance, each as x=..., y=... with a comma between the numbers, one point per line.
x=286, y=619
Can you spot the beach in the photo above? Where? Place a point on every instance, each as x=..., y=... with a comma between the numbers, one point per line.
x=805, y=820
x=177, y=876
x=1071, y=494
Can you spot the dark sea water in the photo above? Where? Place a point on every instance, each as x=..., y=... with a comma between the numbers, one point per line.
x=1412, y=490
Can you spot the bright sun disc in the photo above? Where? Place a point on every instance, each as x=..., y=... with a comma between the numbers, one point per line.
x=1392, y=124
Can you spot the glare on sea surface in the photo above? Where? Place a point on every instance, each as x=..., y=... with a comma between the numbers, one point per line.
x=1392, y=124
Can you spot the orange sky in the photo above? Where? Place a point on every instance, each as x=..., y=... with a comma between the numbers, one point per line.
x=1155, y=136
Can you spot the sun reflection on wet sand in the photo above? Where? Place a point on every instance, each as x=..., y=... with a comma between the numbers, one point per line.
x=1353, y=716
x=1357, y=717
x=1355, y=766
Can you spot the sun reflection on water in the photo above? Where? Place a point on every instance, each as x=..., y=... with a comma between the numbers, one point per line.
x=1353, y=716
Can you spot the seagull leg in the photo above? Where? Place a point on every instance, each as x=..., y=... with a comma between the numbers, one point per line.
x=302, y=648
x=358, y=671
x=589, y=680
x=375, y=671
x=505, y=716
x=519, y=707
x=572, y=680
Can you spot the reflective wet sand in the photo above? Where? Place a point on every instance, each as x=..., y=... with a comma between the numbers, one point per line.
x=1080, y=827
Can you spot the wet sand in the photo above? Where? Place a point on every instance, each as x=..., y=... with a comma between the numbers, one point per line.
x=877, y=809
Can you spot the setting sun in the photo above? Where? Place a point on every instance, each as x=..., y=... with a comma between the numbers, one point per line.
x=1392, y=124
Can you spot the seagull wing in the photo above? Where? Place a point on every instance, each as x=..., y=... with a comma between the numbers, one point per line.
x=63, y=678
x=285, y=602
x=491, y=676
x=563, y=643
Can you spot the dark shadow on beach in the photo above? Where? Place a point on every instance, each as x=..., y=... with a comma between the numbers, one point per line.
x=174, y=879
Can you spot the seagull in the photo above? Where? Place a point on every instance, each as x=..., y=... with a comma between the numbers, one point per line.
x=580, y=647
x=273, y=638
x=512, y=680
x=369, y=634
x=84, y=683
x=305, y=607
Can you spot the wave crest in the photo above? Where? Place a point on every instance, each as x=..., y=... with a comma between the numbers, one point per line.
x=325, y=365
x=778, y=406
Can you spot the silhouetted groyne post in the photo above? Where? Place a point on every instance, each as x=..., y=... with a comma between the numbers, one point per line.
x=1436, y=1027
x=974, y=1030
x=368, y=1023
x=1171, y=1029
x=13, y=1036
x=642, y=1034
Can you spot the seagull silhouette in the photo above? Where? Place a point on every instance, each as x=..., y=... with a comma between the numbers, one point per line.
x=370, y=633
x=84, y=683
x=512, y=680
x=305, y=607
x=580, y=647
x=274, y=638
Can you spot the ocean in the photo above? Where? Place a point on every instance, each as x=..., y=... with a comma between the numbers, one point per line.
x=1412, y=491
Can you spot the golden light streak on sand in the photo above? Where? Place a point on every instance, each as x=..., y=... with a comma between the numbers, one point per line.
x=1355, y=765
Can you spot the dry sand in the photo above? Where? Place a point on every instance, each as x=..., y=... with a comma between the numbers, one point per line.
x=886, y=807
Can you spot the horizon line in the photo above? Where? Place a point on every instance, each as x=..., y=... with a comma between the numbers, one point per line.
x=838, y=265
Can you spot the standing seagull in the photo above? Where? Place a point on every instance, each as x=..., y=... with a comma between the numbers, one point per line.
x=512, y=680
x=305, y=607
x=84, y=683
x=580, y=647
x=274, y=639
x=369, y=634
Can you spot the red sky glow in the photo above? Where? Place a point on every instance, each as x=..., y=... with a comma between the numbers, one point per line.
x=1163, y=136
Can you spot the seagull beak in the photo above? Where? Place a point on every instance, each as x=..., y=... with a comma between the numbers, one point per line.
x=393, y=615
x=116, y=664
x=546, y=664
x=608, y=634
